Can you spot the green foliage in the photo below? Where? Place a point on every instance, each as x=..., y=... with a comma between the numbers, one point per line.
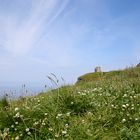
x=108, y=109
x=112, y=75
x=4, y=103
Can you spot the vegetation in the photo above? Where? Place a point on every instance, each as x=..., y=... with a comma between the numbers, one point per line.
x=104, y=107
x=113, y=75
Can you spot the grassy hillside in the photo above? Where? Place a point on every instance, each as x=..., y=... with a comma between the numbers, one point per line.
x=103, y=106
x=113, y=75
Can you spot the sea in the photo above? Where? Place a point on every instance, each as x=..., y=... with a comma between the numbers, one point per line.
x=15, y=92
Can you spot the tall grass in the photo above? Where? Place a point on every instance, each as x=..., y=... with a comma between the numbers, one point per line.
x=4, y=103
x=103, y=110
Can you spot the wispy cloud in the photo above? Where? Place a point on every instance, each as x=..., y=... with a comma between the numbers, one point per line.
x=20, y=37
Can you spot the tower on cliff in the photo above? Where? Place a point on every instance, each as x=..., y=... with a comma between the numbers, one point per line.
x=98, y=69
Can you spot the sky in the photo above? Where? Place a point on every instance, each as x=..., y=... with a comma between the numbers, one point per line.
x=66, y=37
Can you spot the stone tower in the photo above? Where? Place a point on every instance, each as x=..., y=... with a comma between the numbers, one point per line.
x=138, y=65
x=98, y=69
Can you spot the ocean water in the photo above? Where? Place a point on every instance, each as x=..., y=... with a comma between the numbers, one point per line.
x=13, y=92
x=16, y=90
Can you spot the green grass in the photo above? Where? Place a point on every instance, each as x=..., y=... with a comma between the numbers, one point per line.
x=113, y=75
x=106, y=107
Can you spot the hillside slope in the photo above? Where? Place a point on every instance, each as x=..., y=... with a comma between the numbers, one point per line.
x=105, y=107
x=113, y=75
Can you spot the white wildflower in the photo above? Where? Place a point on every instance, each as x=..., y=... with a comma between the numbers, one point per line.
x=50, y=129
x=89, y=113
x=132, y=108
x=59, y=115
x=56, y=135
x=115, y=107
x=94, y=89
x=64, y=132
x=21, y=135
x=17, y=115
x=46, y=114
x=125, y=95
x=66, y=125
x=16, y=109
x=131, y=97
x=68, y=114
x=29, y=133
x=43, y=123
x=128, y=114
x=27, y=129
x=124, y=106
x=83, y=94
x=12, y=126
x=123, y=120
x=83, y=121
x=16, y=122
x=72, y=103
x=36, y=123
x=88, y=91
x=136, y=119
x=17, y=138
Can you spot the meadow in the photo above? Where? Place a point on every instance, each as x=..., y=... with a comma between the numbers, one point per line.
x=100, y=106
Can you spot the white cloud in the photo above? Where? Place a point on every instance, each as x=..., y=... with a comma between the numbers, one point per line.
x=21, y=37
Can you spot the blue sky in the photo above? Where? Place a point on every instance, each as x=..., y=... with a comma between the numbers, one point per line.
x=66, y=37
